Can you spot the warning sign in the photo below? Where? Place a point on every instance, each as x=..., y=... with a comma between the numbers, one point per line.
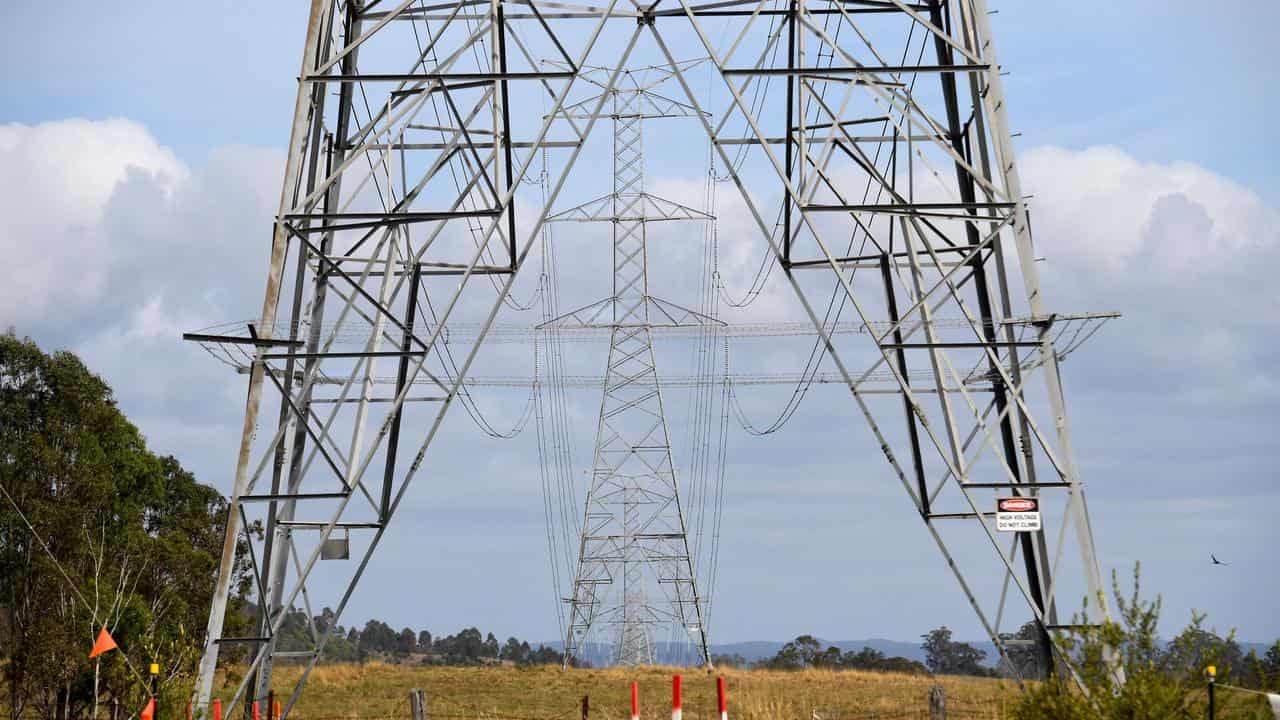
x=1018, y=514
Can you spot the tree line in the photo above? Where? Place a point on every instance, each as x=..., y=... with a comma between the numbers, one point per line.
x=377, y=640
x=806, y=651
x=943, y=656
x=1185, y=656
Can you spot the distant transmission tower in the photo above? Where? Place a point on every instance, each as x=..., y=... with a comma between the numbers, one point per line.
x=634, y=569
x=868, y=143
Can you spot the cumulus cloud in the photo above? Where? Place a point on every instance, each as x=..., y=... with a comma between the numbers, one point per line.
x=115, y=246
x=1183, y=252
x=57, y=180
x=101, y=218
x=1104, y=210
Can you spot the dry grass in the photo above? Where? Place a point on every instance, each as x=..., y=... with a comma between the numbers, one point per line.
x=377, y=690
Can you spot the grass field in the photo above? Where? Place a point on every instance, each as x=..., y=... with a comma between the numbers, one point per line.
x=377, y=690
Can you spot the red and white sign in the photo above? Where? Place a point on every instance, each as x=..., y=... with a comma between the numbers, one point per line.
x=1018, y=514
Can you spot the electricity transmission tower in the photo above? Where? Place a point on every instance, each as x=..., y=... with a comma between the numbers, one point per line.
x=634, y=539
x=874, y=131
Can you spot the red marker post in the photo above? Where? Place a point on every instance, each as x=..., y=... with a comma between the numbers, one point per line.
x=676, y=712
x=256, y=716
x=217, y=709
x=722, y=699
x=635, y=701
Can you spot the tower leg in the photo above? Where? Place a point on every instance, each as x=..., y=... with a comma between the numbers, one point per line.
x=279, y=249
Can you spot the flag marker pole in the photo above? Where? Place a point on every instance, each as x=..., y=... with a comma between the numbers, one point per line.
x=676, y=713
x=722, y=699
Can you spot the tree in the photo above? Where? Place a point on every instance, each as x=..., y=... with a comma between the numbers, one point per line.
x=797, y=654
x=1158, y=682
x=806, y=651
x=515, y=652
x=407, y=642
x=874, y=660
x=1196, y=647
x=734, y=660
x=465, y=648
x=544, y=655
x=424, y=642
x=1024, y=655
x=377, y=637
x=945, y=656
x=136, y=536
x=829, y=658
x=1270, y=667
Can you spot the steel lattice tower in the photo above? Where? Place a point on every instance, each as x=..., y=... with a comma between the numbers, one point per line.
x=877, y=129
x=634, y=538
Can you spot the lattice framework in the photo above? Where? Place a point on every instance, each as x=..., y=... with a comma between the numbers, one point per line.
x=401, y=190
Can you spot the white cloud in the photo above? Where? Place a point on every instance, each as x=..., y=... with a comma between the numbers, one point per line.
x=115, y=246
x=56, y=180
x=1184, y=253
x=74, y=165
x=1102, y=209
x=101, y=218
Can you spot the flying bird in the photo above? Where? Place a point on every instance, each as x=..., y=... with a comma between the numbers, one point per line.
x=1216, y=561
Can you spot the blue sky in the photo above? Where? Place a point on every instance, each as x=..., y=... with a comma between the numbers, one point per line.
x=1164, y=80
x=1175, y=411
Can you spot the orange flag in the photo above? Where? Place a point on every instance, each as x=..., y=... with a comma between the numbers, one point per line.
x=104, y=643
x=149, y=711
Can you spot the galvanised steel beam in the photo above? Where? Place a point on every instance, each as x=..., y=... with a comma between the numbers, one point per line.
x=910, y=159
x=323, y=196
x=906, y=114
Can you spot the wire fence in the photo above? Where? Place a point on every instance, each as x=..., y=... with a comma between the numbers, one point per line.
x=443, y=707
x=432, y=706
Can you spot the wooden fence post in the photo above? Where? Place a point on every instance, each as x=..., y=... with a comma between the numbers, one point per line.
x=418, y=704
x=937, y=703
x=586, y=707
